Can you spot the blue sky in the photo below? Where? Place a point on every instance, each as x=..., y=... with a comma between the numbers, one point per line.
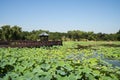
x=62, y=15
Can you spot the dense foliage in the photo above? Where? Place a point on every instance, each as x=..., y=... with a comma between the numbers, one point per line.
x=67, y=62
x=15, y=33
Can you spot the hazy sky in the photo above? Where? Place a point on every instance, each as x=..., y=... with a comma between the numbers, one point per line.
x=62, y=15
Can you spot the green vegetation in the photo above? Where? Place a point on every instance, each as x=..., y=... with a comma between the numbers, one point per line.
x=15, y=33
x=72, y=61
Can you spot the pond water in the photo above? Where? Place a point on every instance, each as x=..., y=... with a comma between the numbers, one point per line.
x=108, y=60
x=114, y=63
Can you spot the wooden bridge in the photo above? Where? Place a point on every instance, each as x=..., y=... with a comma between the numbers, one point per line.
x=27, y=43
x=24, y=43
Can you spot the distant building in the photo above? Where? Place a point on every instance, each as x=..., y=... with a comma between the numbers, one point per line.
x=43, y=36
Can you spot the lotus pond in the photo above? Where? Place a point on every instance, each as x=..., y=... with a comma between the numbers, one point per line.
x=72, y=61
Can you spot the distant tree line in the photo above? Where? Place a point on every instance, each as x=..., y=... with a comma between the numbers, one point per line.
x=8, y=33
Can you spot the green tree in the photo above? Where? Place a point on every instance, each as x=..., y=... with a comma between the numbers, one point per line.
x=118, y=35
x=5, y=32
x=16, y=32
x=91, y=36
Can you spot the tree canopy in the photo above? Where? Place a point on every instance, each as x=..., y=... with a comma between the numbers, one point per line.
x=8, y=32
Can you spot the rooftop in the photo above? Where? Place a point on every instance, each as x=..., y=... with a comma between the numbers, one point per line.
x=43, y=34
